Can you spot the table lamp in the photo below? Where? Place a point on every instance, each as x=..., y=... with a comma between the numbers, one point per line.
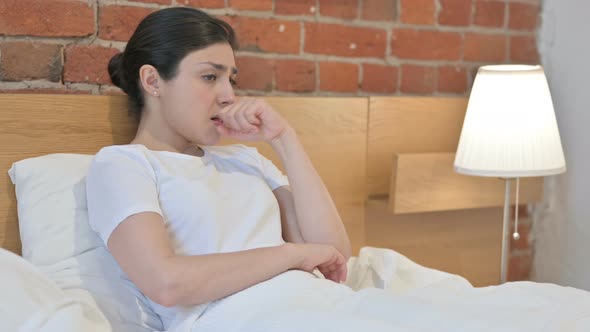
x=509, y=131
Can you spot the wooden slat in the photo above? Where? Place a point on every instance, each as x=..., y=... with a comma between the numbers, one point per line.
x=332, y=130
x=464, y=242
x=409, y=125
x=426, y=182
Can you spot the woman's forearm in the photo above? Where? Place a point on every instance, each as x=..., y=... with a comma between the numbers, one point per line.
x=317, y=216
x=204, y=278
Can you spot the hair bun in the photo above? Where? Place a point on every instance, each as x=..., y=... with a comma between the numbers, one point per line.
x=116, y=71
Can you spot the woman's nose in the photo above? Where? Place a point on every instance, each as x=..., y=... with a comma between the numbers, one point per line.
x=227, y=95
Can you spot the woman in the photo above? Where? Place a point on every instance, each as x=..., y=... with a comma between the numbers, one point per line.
x=189, y=222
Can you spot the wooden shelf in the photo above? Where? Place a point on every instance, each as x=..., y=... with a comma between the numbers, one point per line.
x=427, y=182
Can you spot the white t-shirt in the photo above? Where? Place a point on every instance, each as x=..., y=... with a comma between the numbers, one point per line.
x=221, y=202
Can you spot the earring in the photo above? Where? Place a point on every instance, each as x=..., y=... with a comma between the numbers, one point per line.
x=155, y=93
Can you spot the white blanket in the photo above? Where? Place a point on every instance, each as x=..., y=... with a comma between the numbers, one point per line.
x=386, y=291
x=31, y=302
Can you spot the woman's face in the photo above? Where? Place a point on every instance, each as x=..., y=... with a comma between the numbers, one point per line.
x=203, y=85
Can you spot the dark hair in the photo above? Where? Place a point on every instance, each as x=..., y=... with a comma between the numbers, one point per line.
x=163, y=39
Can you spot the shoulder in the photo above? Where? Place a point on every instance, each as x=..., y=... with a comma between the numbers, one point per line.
x=127, y=156
x=121, y=152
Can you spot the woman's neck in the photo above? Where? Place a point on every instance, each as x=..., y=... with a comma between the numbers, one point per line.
x=154, y=136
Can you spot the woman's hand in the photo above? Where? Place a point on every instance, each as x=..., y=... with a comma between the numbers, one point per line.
x=325, y=258
x=251, y=119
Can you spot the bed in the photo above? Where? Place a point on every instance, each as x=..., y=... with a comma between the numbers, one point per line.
x=379, y=158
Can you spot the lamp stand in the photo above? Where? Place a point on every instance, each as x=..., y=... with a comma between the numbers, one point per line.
x=505, y=233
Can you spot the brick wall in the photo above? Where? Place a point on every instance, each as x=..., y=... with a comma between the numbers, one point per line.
x=303, y=47
x=314, y=47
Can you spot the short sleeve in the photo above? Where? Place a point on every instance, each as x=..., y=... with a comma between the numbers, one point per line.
x=272, y=175
x=120, y=183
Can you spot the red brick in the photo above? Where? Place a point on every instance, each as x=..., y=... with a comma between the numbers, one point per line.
x=299, y=7
x=336, y=39
x=523, y=212
x=57, y=18
x=455, y=12
x=161, y=2
x=346, y=9
x=268, y=35
x=452, y=79
x=426, y=44
x=417, y=11
x=418, y=79
x=251, y=4
x=339, y=76
x=255, y=73
x=484, y=47
x=523, y=49
x=519, y=267
x=379, y=78
x=119, y=22
x=87, y=64
x=379, y=10
x=30, y=61
x=203, y=3
x=63, y=90
x=489, y=13
x=523, y=16
x=295, y=75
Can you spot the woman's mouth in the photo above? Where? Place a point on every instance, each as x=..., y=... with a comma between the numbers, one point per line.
x=217, y=121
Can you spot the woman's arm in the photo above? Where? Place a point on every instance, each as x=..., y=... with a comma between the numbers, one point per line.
x=142, y=247
x=311, y=213
x=307, y=208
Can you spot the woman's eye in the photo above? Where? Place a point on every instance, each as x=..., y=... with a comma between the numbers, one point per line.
x=210, y=77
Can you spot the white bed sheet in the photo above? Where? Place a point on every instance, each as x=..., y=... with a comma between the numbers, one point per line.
x=388, y=292
x=385, y=291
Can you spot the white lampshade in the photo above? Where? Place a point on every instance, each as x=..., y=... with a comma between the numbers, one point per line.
x=510, y=128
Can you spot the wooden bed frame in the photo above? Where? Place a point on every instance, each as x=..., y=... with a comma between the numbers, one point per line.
x=364, y=148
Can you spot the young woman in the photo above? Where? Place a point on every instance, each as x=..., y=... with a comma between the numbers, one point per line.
x=190, y=222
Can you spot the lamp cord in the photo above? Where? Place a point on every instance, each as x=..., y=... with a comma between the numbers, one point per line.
x=515, y=235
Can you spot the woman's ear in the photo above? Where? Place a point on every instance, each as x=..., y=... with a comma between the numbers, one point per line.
x=150, y=80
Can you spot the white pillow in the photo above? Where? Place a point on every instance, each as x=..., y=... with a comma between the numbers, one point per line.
x=56, y=237
x=32, y=302
x=51, y=196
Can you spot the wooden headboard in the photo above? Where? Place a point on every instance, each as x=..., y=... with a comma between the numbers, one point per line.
x=333, y=131
x=387, y=162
